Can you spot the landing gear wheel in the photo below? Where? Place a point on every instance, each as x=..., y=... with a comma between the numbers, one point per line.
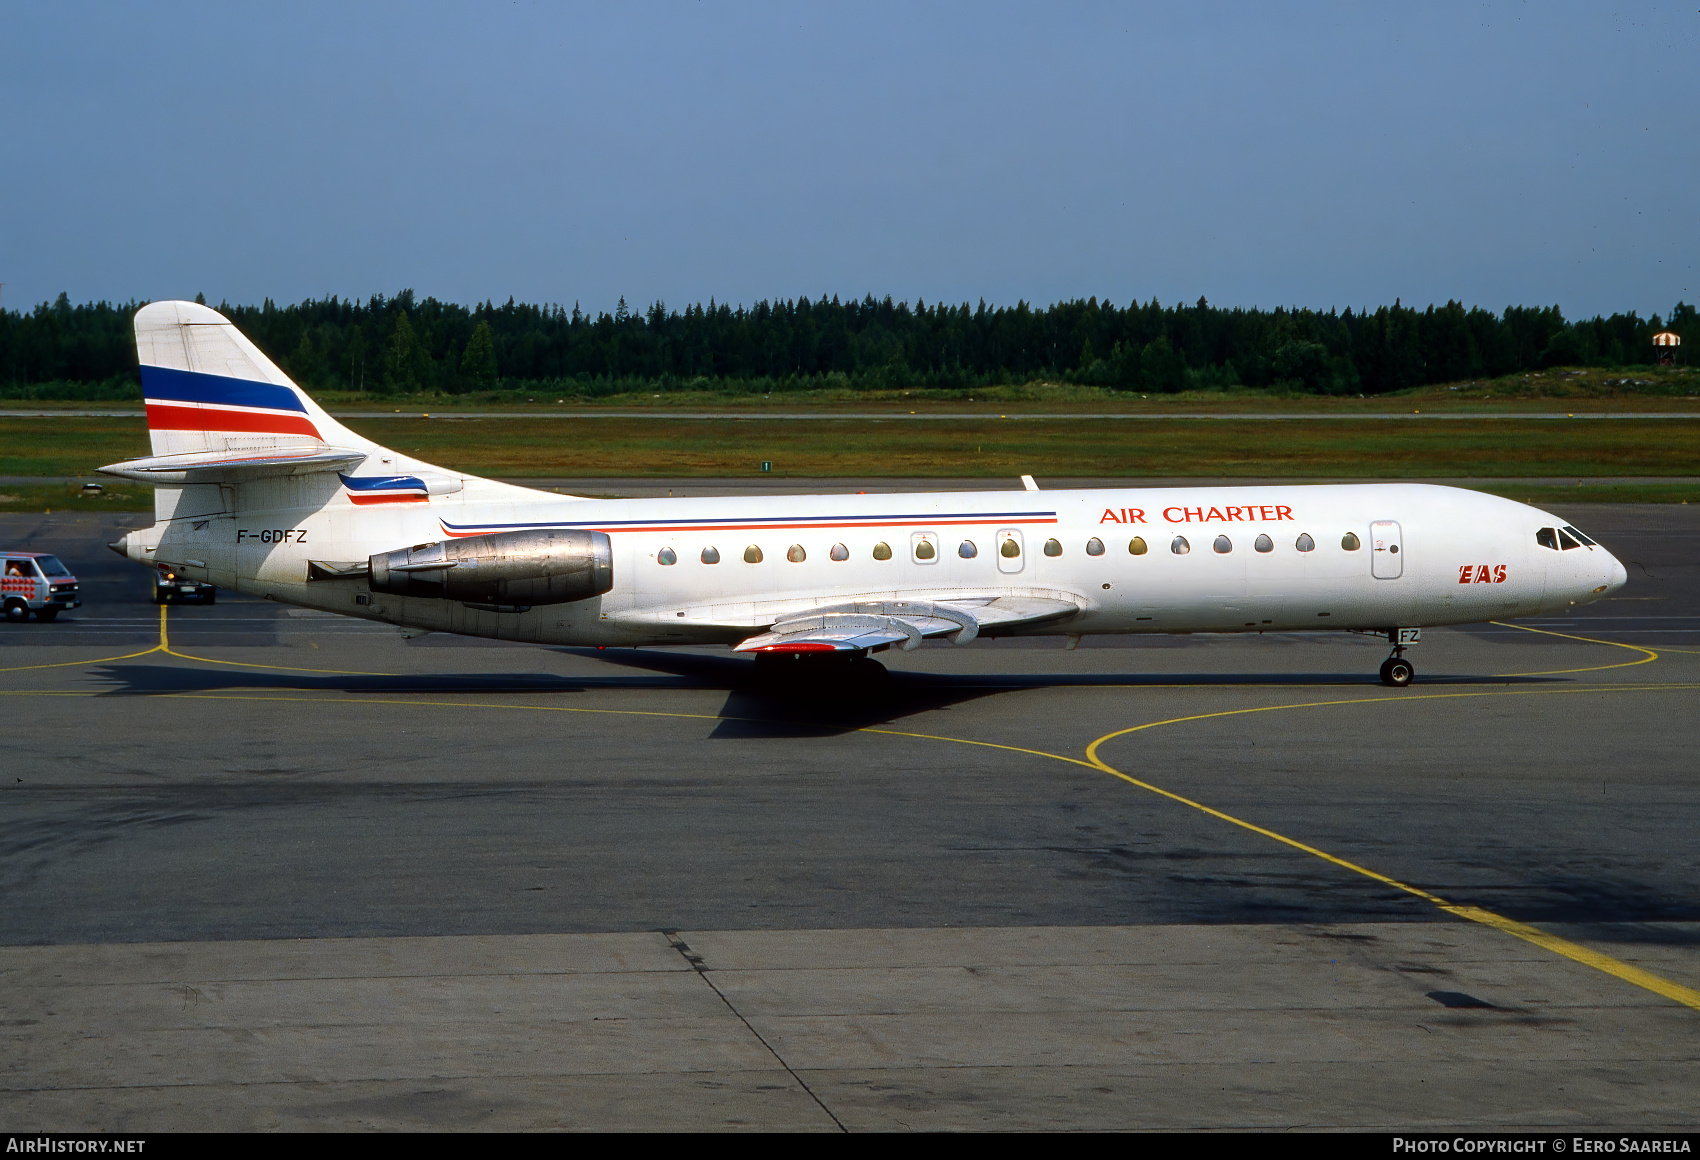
x=46, y=615
x=1397, y=672
x=17, y=611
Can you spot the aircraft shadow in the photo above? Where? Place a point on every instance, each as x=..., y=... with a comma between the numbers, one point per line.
x=155, y=679
x=752, y=710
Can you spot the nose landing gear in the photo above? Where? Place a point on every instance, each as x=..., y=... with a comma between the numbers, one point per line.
x=1397, y=671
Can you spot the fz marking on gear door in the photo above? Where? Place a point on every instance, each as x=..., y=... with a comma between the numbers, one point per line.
x=1387, y=556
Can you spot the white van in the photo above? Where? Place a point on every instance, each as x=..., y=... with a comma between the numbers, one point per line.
x=35, y=582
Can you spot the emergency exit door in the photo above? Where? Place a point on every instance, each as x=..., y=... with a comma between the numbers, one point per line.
x=1387, y=554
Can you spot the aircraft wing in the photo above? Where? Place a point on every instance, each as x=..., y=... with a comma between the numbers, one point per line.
x=233, y=466
x=873, y=624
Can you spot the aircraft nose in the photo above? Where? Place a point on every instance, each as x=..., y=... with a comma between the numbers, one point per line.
x=1616, y=576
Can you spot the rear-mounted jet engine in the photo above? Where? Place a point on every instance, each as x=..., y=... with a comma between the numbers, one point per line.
x=506, y=569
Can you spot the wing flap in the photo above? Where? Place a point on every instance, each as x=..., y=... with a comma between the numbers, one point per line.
x=869, y=624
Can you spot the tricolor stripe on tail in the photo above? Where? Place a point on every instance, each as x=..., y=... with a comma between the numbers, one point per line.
x=189, y=401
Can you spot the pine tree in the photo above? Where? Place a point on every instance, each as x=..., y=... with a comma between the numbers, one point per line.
x=304, y=363
x=401, y=357
x=1161, y=367
x=478, y=364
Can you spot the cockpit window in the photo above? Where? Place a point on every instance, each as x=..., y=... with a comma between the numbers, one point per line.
x=1566, y=540
x=1547, y=538
x=1567, y=528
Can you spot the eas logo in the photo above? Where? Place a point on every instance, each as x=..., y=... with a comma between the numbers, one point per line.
x=1481, y=574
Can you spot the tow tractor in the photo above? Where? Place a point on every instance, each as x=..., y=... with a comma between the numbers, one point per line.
x=168, y=586
x=35, y=582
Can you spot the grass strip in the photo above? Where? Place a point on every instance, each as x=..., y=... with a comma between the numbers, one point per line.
x=1590, y=452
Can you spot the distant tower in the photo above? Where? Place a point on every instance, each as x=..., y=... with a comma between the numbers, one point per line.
x=1666, y=343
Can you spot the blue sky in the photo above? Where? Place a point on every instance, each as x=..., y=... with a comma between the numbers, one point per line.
x=1325, y=155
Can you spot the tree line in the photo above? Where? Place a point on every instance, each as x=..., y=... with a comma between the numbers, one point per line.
x=387, y=346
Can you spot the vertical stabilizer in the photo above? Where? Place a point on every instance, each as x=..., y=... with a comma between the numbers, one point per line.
x=209, y=389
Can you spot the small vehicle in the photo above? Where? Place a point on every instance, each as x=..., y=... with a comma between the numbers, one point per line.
x=35, y=582
x=168, y=586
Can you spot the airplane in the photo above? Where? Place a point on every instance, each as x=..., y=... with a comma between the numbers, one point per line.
x=258, y=489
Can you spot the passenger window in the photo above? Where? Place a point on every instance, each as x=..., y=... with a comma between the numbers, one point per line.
x=882, y=551
x=924, y=550
x=1136, y=546
x=1094, y=547
x=795, y=554
x=1010, y=550
x=1180, y=547
x=1053, y=548
x=711, y=555
x=1349, y=541
x=1223, y=545
x=1263, y=544
x=1547, y=538
x=1565, y=541
x=967, y=551
x=840, y=553
x=1304, y=543
x=1567, y=528
x=752, y=555
x=666, y=556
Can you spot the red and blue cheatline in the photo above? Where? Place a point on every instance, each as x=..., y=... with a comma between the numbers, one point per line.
x=191, y=401
x=371, y=489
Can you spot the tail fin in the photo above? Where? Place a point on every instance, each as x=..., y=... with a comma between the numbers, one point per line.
x=220, y=412
x=208, y=389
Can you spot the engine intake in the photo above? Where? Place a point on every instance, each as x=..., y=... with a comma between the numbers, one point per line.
x=505, y=568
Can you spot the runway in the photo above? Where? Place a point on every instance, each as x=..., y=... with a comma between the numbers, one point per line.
x=274, y=870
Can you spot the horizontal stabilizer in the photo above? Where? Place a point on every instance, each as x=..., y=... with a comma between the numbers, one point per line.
x=233, y=467
x=871, y=624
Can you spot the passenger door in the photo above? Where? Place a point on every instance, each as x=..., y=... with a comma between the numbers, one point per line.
x=1387, y=557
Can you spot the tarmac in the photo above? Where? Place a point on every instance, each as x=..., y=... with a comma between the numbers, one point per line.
x=268, y=869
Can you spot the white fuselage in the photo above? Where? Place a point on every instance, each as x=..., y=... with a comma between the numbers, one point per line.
x=1426, y=555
